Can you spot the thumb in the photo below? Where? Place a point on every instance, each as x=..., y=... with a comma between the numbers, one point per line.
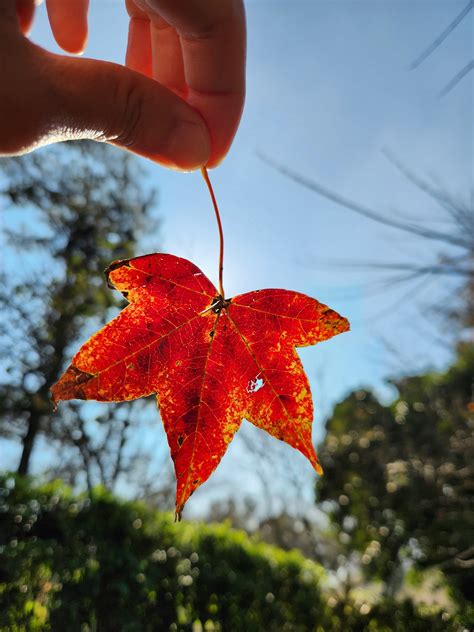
x=105, y=101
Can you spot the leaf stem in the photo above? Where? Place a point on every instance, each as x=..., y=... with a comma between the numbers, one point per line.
x=205, y=175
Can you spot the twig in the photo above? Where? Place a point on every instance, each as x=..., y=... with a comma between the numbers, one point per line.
x=457, y=78
x=442, y=36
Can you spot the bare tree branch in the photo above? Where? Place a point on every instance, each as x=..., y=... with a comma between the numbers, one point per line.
x=365, y=211
x=442, y=36
x=457, y=78
x=408, y=267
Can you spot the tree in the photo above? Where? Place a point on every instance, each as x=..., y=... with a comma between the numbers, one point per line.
x=84, y=204
x=399, y=478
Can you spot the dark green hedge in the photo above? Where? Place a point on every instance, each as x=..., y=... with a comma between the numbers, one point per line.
x=71, y=563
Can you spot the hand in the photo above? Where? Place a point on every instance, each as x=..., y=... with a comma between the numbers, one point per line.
x=178, y=103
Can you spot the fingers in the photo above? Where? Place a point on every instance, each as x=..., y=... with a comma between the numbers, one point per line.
x=213, y=41
x=196, y=47
x=105, y=101
x=212, y=48
x=139, y=46
x=155, y=46
x=25, y=10
x=68, y=19
x=168, y=66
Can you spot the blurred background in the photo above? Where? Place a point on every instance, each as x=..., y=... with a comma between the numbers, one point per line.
x=351, y=180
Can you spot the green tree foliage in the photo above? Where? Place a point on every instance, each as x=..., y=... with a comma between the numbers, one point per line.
x=95, y=563
x=399, y=478
x=72, y=209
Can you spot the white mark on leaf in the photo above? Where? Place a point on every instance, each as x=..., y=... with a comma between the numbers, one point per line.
x=255, y=385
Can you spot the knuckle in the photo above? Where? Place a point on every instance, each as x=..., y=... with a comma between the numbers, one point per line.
x=128, y=124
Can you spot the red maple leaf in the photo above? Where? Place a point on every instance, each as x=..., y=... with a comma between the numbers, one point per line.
x=210, y=361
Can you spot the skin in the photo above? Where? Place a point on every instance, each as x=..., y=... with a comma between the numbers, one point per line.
x=177, y=102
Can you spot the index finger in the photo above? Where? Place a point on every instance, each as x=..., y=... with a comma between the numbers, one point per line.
x=69, y=23
x=213, y=42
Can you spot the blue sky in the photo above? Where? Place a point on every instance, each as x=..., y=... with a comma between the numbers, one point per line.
x=329, y=87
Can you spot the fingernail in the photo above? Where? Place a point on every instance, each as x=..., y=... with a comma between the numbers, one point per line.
x=188, y=145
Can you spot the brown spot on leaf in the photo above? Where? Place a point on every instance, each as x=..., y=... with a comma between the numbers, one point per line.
x=70, y=385
x=119, y=263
